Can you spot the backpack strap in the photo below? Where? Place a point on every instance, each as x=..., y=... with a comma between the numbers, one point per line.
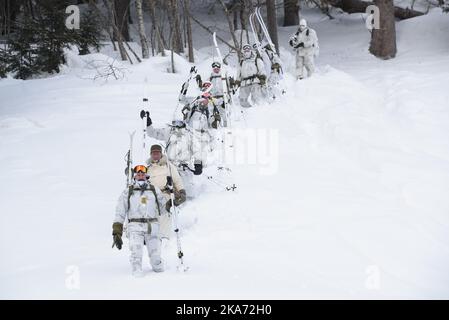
x=130, y=193
x=151, y=187
x=255, y=61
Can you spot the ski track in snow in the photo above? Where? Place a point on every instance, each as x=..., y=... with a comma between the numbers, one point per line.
x=357, y=207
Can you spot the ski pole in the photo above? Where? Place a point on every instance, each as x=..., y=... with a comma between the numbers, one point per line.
x=174, y=216
x=144, y=114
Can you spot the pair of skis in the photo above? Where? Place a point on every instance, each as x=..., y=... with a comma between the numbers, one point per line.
x=224, y=81
x=256, y=15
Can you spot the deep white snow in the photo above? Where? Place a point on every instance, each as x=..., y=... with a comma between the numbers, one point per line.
x=349, y=198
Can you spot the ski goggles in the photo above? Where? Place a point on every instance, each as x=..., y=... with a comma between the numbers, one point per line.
x=140, y=168
x=216, y=65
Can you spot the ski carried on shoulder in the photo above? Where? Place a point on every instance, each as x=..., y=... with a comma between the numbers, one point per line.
x=224, y=81
x=129, y=160
x=257, y=16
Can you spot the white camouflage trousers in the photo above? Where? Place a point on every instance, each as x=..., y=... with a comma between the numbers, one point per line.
x=219, y=102
x=273, y=89
x=255, y=90
x=306, y=62
x=166, y=224
x=139, y=237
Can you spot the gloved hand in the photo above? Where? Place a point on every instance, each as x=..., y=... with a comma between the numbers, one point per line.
x=292, y=41
x=199, y=80
x=168, y=205
x=198, y=169
x=301, y=44
x=216, y=121
x=117, y=231
x=275, y=66
x=180, y=197
x=237, y=83
x=146, y=114
x=263, y=79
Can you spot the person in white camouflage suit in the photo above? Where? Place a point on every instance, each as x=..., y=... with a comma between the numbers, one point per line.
x=251, y=78
x=273, y=68
x=305, y=42
x=186, y=149
x=217, y=90
x=141, y=205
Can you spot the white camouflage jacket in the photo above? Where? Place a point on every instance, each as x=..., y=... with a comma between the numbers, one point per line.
x=310, y=40
x=142, y=204
x=249, y=69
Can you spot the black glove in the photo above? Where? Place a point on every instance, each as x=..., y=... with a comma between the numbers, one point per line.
x=291, y=43
x=193, y=69
x=146, y=114
x=199, y=80
x=168, y=205
x=237, y=83
x=262, y=79
x=216, y=121
x=117, y=231
x=198, y=169
x=301, y=44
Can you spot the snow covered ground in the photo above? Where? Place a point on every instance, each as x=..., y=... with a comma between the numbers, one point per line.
x=349, y=200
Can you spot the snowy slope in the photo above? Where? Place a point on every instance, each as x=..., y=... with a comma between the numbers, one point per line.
x=356, y=206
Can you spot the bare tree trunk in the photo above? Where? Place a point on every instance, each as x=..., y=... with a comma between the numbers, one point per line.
x=189, y=30
x=242, y=15
x=173, y=18
x=231, y=27
x=172, y=56
x=234, y=13
x=291, y=15
x=156, y=29
x=9, y=10
x=108, y=20
x=244, y=18
x=121, y=10
x=272, y=23
x=383, y=40
x=141, y=26
x=133, y=52
x=117, y=34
